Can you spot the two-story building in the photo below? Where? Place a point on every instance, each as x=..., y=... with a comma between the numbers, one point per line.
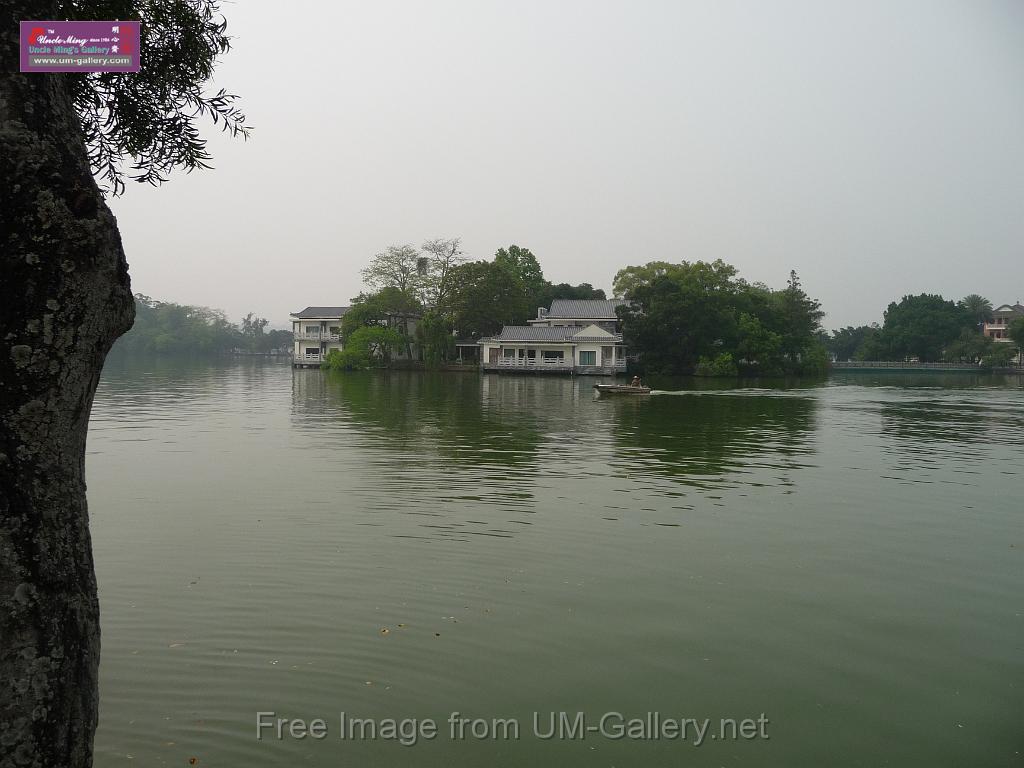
x=574, y=336
x=316, y=331
x=998, y=326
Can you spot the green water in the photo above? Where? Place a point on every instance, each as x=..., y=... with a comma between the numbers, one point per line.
x=844, y=558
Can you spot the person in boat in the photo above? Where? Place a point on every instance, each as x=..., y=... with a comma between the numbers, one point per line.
x=635, y=382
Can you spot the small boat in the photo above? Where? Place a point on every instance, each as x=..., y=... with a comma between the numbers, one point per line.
x=621, y=389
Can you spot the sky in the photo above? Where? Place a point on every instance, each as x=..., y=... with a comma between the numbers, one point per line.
x=875, y=146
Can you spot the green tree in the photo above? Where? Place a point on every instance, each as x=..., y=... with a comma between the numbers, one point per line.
x=253, y=332
x=435, y=339
x=1016, y=331
x=921, y=326
x=681, y=313
x=163, y=327
x=524, y=265
x=390, y=306
x=398, y=266
x=874, y=346
x=813, y=360
x=150, y=120
x=278, y=340
x=486, y=297
x=970, y=347
x=998, y=355
x=65, y=296
x=366, y=346
x=628, y=279
x=845, y=343
x=567, y=291
x=758, y=346
x=977, y=307
x=347, y=359
x=799, y=318
x=377, y=342
x=443, y=256
x=722, y=365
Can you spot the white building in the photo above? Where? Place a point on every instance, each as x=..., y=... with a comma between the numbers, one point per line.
x=573, y=336
x=316, y=331
x=997, y=327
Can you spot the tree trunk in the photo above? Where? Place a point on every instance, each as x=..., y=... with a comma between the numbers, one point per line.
x=64, y=298
x=408, y=341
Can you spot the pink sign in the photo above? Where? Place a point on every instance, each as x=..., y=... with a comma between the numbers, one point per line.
x=80, y=46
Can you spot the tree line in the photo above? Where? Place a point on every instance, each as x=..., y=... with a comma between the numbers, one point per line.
x=163, y=327
x=678, y=318
x=430, y=295
x=930, y=328
x=701, y=317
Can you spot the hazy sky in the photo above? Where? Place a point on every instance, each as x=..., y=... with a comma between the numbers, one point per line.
x=877, y=147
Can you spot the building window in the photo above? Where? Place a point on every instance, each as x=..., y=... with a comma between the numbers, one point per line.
x=312, y=350
x=553, y=354
x=588, y=358
x=313, y=329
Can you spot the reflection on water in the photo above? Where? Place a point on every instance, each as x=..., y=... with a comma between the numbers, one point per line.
x=958, y=380
x=446, y=416
x=844, y=556
x=496, y=439
x=710, y=440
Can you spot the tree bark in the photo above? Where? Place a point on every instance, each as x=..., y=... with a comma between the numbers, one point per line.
x=64, y=298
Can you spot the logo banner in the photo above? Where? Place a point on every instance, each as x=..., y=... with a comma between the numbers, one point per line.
x=80, y=46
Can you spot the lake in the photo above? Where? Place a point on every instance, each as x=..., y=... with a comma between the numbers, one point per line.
x=843, y=560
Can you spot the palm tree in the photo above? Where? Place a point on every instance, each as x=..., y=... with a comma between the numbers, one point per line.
x=979, y=308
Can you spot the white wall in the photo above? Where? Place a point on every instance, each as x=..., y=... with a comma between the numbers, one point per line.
x=567, y=350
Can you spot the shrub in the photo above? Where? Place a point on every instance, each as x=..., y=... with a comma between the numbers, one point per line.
x=721, y=365
x=814, y=361
x=348, y=359
x=999, y=355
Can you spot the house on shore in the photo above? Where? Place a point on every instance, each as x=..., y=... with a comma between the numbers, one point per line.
x=998, y=326
x=316, y=331
x=576, y=336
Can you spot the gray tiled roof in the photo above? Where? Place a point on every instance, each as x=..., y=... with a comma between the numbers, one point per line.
x=321, y=312
x=590, y=309
x=542, y=333
x=535, y=333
